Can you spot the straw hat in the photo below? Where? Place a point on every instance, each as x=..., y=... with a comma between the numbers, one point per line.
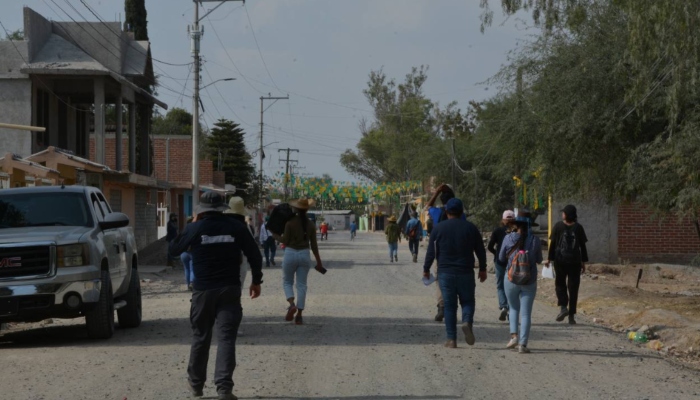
x=392, y=219
x=301, y=204
x=236, y=206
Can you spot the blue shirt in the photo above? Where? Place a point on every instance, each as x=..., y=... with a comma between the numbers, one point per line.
x=436, y=212
x=454, y=242
x=532, y=246
x=353, y=227
x=411, y=223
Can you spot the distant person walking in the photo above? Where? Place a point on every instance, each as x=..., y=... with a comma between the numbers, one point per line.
x=518, y=247
x=353, y=230
x=393, y=238
x=454, y=243
x=567, y=248
x=436, y=215
x=186, y=259
x=269, y=244
x=216, y=242
x=324, y=230
x=494, y=247
x=299, y=236
x=414, y=235
x=170, y=234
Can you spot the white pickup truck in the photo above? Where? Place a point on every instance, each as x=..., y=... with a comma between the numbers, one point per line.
x=65, y=254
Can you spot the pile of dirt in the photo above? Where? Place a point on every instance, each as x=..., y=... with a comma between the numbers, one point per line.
x=667, y=302
x=154, y=254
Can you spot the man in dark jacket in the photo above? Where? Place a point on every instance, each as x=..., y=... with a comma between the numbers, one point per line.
x=216, y=243
x=454, y=243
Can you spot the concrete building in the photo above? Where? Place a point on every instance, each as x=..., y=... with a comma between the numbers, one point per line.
x=63, y=75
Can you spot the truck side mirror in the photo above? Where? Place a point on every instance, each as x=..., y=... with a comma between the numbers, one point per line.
x=114, y=220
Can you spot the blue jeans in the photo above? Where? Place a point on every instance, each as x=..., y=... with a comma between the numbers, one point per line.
x=452, y=287
x=413, y=245
x=500, y=274
x=520, y=298
x=186, y=259
x=296, y=262
x=270, y=248
x=393, y=250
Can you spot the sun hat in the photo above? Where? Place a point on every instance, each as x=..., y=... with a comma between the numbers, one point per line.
x=454, y=206
x=211, y=201
x=508, y=214
x=236, y=206
x=525, y=217
x=301, y=204
x=392, y=219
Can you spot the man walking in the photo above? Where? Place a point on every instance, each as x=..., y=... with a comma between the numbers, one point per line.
x=393, y=237
x=494, y=247
x=269, y=244
x=438, y=214
x=216, y=243
x=454, y=242
x=414, y=235
x=353, y=230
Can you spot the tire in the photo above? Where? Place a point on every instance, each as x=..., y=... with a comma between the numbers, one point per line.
x=129, y=316
x=99, y=320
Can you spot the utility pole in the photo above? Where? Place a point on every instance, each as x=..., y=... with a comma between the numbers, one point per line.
x=454, y=161
x=286, y=168
x=196, y=36
x=262, y=154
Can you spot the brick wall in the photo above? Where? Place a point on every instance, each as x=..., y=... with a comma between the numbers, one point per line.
x=115, y=199
x=643, y=237
x=146, y=225
x=206, y=172
x=220, y=178
x=111, y=151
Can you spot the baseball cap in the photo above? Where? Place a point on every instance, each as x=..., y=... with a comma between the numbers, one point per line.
x=454, y=206
x=508, y=214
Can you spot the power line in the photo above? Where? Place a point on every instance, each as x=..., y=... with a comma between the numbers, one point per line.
x=252, y=30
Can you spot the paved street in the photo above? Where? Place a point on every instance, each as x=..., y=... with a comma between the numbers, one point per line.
x=369, y=334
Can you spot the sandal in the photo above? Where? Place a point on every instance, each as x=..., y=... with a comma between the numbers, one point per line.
x=290, y=313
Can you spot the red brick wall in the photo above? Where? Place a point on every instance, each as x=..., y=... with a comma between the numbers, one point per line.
x=220, y=178
x=110, y=152
x=206, y=172
x=645, y=238
x=180, y=159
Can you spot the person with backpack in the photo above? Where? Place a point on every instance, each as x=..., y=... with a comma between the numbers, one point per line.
x=299, y=237
x=454, y=243
x=521, y=251
x=393, y=238
x=494, y=246
x=414, y=234
x=567, y=248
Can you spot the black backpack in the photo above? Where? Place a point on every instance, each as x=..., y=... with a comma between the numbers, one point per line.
x=568, y=247
x=279, y=217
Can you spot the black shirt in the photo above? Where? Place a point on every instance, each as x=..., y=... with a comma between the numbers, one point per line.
x=558, y=230
x=216, y=242
x=496, y=241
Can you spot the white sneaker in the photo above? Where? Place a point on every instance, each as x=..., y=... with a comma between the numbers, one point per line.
x=523, y=350
x=513, y=342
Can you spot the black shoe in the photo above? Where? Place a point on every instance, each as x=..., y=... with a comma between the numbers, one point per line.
x=415, y=258
x=440, y=314
x=468, y=333
x=267, y=265
x=195, y=392
x=227, y=396
x=274, y=263
x=563, y=314
x=396, y=258
x=572, y=321
x=504, y=314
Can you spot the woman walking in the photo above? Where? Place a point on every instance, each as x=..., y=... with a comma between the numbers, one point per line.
x=299, y=236
x=567, y=249
x=521, y=245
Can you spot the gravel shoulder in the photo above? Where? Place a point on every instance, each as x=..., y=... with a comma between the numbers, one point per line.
x=369, y=334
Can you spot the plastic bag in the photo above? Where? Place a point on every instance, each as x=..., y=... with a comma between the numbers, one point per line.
x=548, y=272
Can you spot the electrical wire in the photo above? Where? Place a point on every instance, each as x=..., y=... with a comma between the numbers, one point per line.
x=252, y=30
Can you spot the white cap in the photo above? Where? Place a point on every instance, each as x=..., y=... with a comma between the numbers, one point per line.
x=508, y=214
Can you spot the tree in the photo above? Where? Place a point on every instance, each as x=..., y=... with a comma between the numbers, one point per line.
x=136, y=18
x=15, y=35
x=227, y=149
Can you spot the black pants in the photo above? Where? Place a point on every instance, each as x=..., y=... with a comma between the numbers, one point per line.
x=567, y=282
x=220, y=308
x=413, y=245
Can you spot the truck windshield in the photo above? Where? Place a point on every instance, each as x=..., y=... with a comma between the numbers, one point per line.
x=43, y=209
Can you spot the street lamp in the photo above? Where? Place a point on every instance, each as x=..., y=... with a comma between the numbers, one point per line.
x=195, y=141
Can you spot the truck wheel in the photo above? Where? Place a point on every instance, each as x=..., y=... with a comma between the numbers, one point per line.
x=100, y=318
x=129, y=316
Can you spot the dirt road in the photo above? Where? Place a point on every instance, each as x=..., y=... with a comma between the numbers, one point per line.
x=369, y=334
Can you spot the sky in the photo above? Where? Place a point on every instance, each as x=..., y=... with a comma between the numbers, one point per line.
x=319, y=52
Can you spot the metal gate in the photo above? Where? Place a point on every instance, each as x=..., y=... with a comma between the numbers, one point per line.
x=162, y=220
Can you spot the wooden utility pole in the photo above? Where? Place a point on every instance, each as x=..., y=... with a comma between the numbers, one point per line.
x=262, y=153
x=286, y=169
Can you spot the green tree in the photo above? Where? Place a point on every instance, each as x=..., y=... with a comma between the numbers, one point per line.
x=227, y=149
x=15, y=35
x=136, y=18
